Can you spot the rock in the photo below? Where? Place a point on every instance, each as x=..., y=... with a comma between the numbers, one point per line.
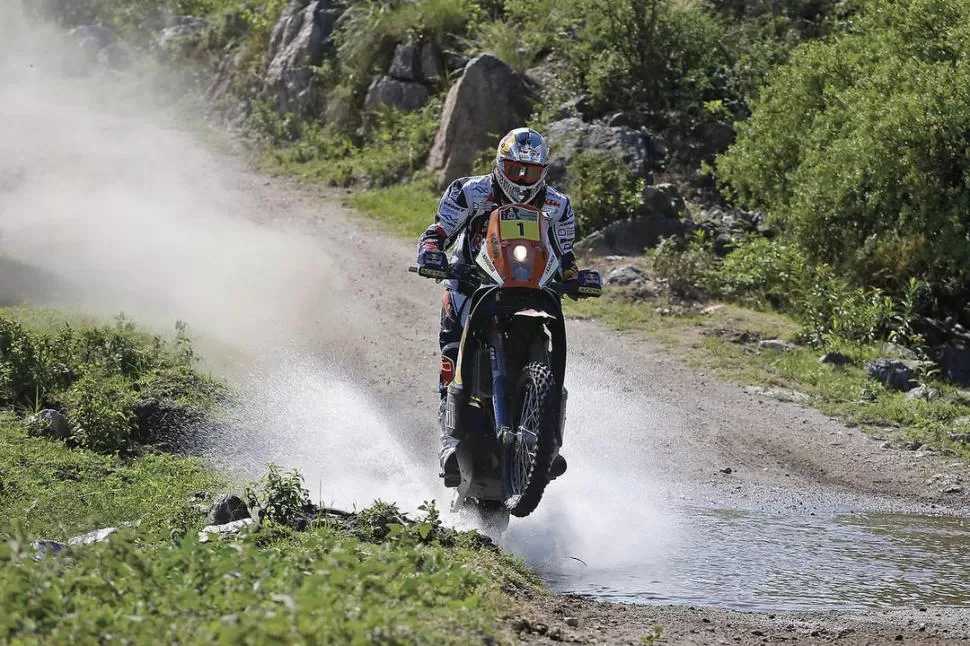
x=639, y=152
x=899, y=351
x=390, y=92
x=432, y=64
x=711, y=139
x=962, y=422
x=44, y=548
x=626, y=275
x=489, y=99
x=955, y=364
x=632, y=237
x=777, y=345
x=421, y=63
x=781, y=394
x=114, y=57
x=97, y=536
x=723, y=244
x=163, y=422
x=924, y=393
x=727, y=471
x=170, y=40
x=662, y=200
x=405, y=63
x=630, y=119
x=572, y=622
x=952, y=487
x=299, y=42
x=891, y=372
x=227, y=508
x=228, y=528
x=576, y=107
x=711, y=309
x=50, y=423
x=835, y=359
x=91, y=39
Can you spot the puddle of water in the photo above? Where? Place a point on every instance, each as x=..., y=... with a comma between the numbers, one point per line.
x=753, y=561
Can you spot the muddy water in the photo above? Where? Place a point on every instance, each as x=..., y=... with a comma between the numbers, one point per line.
x=754, y=561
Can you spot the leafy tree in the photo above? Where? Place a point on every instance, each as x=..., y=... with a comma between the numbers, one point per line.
x=859, y=146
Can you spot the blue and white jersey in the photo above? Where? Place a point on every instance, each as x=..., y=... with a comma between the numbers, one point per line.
x=463, y=211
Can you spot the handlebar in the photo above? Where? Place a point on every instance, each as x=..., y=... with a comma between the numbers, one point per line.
x=472, y=277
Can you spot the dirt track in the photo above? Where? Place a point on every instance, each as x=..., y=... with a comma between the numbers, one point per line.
x=266, y=265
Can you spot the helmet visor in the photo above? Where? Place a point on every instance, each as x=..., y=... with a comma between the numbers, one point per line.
x=522, y=173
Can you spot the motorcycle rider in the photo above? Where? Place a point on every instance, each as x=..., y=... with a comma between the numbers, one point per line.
x=518, y=177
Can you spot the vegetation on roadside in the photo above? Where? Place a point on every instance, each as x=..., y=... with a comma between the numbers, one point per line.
x=298, y=573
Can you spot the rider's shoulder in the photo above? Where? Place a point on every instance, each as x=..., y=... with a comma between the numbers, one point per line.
x=474, y=187
x=556, y=202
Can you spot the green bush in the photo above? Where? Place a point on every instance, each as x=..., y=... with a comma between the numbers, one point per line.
x=858, y=147
x=762, y=272
x=95, y=374
x=602, y=191
x=655, y=53
x=687, y=266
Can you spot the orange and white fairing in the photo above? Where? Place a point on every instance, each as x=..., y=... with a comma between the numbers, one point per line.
x=516, y=251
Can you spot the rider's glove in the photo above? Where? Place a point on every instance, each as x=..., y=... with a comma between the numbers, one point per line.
x=570, y=274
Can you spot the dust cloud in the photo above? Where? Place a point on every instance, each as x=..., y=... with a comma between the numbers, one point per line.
x=107, y=205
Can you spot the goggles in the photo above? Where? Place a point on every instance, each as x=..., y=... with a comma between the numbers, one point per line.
x=522, y=173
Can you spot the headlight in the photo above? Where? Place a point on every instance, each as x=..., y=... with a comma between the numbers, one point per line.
x=520, y=252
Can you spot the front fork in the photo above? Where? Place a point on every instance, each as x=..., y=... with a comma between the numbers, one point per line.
x=500, y=400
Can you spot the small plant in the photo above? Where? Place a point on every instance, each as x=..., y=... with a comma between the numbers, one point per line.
x=279, y=497
x=603, y=192
x=688, y=268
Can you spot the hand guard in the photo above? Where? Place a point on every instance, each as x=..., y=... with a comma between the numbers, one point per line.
x=432, y=263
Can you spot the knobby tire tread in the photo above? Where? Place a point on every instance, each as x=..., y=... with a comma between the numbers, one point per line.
x=544, y=381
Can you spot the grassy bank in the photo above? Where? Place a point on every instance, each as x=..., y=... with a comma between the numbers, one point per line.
x=377, y=577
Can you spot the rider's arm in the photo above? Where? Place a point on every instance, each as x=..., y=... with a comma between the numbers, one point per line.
x=452, y=214
x=566, y=235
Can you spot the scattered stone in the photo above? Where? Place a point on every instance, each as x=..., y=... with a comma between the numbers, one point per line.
x=44, y=548
x=723, y=244
x=97, y=536
x=886, y=445
x=662, y=200
x=300, y=40
x=386, y=91
x=572, y=622
x=781, y=394
x=711, y=139
x=892, y=372
x=924, y=393
x=49, y=423
x=227, y=508
x=540, y=628
x=777, y=345
x=626, y=275
x=489, y=98
x=555, y=634
x=952, y=487
x=727, y=470
x=711, y=309
x=835, y=359
x=228, y=528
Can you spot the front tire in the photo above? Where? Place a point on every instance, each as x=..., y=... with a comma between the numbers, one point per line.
x=527, y=461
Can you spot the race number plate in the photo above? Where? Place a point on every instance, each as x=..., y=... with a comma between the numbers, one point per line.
x=519, y=224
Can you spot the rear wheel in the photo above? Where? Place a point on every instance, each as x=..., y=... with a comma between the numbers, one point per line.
x=528, y=459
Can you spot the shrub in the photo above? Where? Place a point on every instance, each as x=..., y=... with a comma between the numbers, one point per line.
x=279, y=497
x=858, y=147
x=686, y=266
x=657, y=53
x=602, y=191
x=762, y=272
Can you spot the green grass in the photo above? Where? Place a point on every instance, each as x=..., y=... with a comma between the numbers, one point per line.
x=405, y=210
x=56, y=492
x=380, y=578
x=704, y=341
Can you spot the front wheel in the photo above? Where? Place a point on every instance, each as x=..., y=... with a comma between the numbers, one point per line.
x=527, y=460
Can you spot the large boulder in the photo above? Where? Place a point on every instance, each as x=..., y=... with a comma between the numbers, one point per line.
x=391, y=92
x=893, y=373
x=638, y=151
x=227, y=508
x=300, y=40
x=489, y=100
x=632, y=237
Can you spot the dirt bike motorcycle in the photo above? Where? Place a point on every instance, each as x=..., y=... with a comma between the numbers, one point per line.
x=507, y=404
